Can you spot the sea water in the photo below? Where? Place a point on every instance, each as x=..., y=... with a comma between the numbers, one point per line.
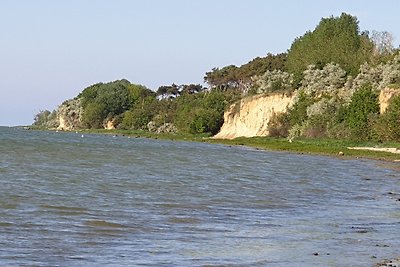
x=68, y=199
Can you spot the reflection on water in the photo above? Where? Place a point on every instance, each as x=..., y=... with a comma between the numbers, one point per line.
x=98, y=200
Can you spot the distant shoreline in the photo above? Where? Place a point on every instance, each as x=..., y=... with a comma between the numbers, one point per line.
x=389, y=151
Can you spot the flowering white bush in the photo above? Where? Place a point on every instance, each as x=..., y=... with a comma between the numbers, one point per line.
x=275, y=80
x=368, y=74
x=318, y=107
x=328, y=79
x=391, y=73
x=380, y=76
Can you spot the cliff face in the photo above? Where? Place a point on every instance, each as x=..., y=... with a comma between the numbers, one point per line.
x=385, y=96
x=70, y=115
x=250, y=116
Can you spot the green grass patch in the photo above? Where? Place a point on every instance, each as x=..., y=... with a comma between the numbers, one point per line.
x=330, y=147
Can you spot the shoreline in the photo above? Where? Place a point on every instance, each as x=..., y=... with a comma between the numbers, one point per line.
x=388, y=151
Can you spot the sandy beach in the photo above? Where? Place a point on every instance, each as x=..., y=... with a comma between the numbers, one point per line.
x=381, y=149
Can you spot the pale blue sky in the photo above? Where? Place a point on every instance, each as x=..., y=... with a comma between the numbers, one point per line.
x=51, y=49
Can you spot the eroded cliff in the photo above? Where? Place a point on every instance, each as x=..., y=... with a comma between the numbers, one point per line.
x=250, y=116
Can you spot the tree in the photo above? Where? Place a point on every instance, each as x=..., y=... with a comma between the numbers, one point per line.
x=206, y=121
x=335, y=39
x=241, y=78
x=46, y=119
x=136, y=119
x=222, y=79
x=139, y=92
x=297, y=114
x=103, y=101
x=168, y=91
x=383, y=43
x=94, y=115
x=191, y=88
x=364, y=103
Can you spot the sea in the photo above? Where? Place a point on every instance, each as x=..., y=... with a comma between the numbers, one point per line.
x=73, y=199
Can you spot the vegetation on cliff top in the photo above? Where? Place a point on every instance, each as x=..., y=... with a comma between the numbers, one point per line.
x=336, y=71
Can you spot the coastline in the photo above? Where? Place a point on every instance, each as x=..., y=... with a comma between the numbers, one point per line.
x=389, y=151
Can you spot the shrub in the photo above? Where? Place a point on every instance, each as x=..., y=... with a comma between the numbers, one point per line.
x=328, y=79
x=316, y=126
x=46, y=119
x=136, y=119
x=335, y=39
x=279, y=125
x=274, y=81
x=387, y=126
x=93, y=115
x=206, y=121
x=297, y=114
x=364, y=103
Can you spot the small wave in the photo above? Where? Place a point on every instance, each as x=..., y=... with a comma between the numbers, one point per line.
x=183, y=220
x=104, y=224
x=65, y=210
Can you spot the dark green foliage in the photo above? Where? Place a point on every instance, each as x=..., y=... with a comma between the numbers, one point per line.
x=172, y=91
x=335, y=39
x=94, y=115
x=364, y=103
x=101, y=100
x=140, y=93
x=169, y=91
x=191, y=89
x=192, y=110
x=104, y=101
x=206, y=121
x=297, y=114
x=136, y=119
x=224, y=78
x=239, y=78
x=142, y=112
x=261, y=65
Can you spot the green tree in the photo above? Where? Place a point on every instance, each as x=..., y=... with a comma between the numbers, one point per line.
x=94, y=115
x=364, y=103
x=137, y=93
x=297, y=114
x=206, y=121
x=46, y=119
x=113, y=98
x=335, y=39
x=136, y=119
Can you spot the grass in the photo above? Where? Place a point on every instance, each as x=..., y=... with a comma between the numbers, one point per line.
x=317, y=146
x=146, y=134
x=331, y=147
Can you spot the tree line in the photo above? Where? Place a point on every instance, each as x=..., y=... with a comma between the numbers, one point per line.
x=336, y=70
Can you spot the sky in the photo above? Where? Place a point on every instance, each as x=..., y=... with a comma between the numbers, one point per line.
x=50, y=50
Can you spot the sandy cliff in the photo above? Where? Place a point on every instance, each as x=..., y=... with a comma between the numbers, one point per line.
x=385, y=96
x=250, y=116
